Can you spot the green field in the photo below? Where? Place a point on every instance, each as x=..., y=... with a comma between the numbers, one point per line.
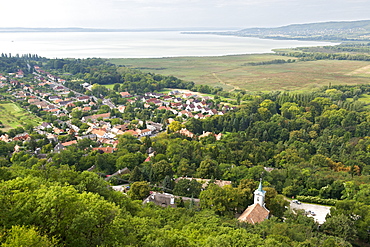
x=110, y=86
x=231, y=72
x=13, y=116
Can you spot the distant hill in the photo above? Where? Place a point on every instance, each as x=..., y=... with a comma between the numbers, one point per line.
x=332, y=31
x=324, y=31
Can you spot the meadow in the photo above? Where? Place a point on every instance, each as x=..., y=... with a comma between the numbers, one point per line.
x=13, y=116
x=234, y=72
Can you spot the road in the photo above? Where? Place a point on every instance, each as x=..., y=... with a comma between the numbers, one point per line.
x=320, y=211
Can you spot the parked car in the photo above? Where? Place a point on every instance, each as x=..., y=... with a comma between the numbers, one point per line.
x=296, y=201
x=313, y=213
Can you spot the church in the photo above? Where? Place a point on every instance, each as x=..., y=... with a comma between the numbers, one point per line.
x=257, y=212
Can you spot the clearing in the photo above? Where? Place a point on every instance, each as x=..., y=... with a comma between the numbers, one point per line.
x=13, y=116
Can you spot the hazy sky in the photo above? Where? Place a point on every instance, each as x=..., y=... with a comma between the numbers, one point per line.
x=177, y=13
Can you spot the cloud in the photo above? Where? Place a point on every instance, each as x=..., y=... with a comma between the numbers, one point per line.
x=172, y=13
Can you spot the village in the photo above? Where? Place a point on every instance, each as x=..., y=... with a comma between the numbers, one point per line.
x=49, y=94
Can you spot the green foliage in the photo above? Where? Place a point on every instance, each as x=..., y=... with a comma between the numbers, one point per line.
x=19, y=236
x=139, y=190
x=340, y=226
x=76, y=219
x=188, y=188
x=223, y=201
x=318, y=200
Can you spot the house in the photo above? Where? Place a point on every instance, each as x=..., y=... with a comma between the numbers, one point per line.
x=108, y=150
x=53, y=98
x=132, y=132
x=45, y=125
x=22, y=137
x=19, y=74
x=83, y=99
x=199, y=116
x=5, y=138
x=257, y=212
x=99, y=132
x=120, y=127
x=205, y=182
x=187, y=95
x=52, y=138
x=121, y=108
x=2, y=78
x=167, y=200
x=174, y=92
x=144, y=132
x=185, y=113
x=60, y=80
x=186, y=133
x=205, y=134
x=91, y=137
x=54, y=111
x=117, y=173
x=86, y=109
x=125, y=94
x=95, y=117
x=167, y=97
x=58, y=88
x=58, y=131
x=154, y=126
x=58, y=148
x=66, y=144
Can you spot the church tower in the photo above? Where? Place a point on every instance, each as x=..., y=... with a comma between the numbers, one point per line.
x=257, y=212
x=259, y=195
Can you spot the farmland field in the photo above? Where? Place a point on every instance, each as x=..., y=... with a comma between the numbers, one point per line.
x=234, y=72
x=13, y=116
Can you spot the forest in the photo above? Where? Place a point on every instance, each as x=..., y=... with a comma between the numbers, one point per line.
x=315, y=144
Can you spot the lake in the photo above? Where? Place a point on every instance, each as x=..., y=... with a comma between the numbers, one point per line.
x=137, y=44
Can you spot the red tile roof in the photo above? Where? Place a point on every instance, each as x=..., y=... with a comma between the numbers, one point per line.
x=254, y=214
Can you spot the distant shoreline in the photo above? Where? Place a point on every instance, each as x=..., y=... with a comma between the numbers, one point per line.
x=102, y=30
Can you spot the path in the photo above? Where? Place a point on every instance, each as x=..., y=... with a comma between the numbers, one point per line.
x=222, y=82
x=362, y=70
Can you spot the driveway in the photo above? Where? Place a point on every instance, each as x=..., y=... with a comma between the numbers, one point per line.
x=320, y=211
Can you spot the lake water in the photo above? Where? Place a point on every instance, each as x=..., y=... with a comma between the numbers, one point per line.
x=137, y=44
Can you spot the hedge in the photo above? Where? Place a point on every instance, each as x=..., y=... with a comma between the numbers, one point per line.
x=318, y=200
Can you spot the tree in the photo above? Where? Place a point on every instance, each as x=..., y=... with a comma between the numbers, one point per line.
x=363, y=195
x=208, y=169
x=19, y=236
x=188, y=188
x=139, y=190
x=175, y=126
x=167, y=183
x=161, y=169
x=194, y=125
x=130, y=160
x=340, y=226
x=136, y=175
x=223, y=201
x=77, y=219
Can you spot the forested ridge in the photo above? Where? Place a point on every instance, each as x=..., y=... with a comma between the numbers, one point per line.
x=316, y=145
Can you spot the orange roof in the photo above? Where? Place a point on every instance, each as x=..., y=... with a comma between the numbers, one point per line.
x=98, y=132
x=106, y=149
x=132, y=132
x=125, y=94
x=254, y=214
x=69, y=143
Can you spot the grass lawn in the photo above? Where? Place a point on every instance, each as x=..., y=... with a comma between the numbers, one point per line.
x=231, y=72
x=13, y=116
x=110, y=86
